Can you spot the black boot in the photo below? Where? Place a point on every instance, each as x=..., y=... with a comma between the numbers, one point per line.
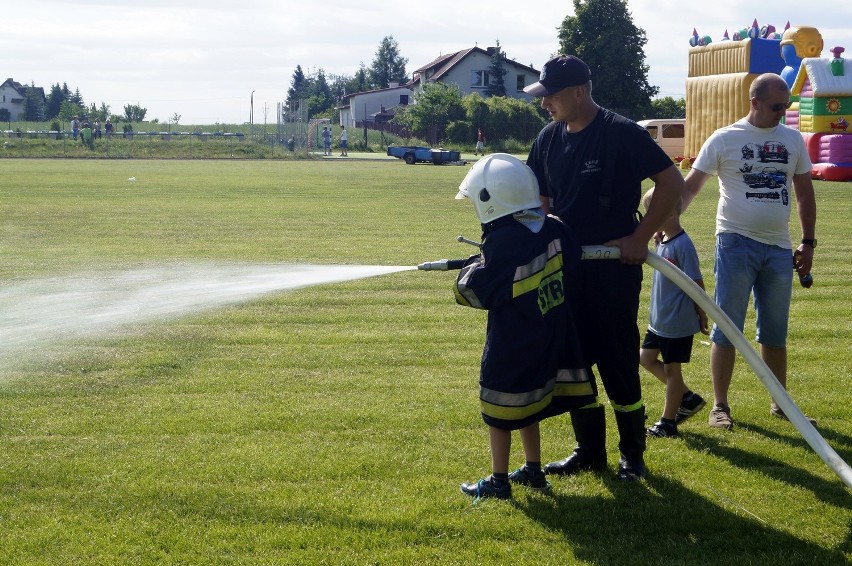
x=590, y=454
x=631, y=432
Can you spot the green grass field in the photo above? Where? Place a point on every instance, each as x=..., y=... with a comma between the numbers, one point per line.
x=333, y=424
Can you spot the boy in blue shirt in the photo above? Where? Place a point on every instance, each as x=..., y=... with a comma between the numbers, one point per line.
x=674, y=319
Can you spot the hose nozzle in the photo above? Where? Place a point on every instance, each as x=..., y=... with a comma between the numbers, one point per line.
x=442, y=265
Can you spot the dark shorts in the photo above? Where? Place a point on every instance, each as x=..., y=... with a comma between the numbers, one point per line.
x=673, y=350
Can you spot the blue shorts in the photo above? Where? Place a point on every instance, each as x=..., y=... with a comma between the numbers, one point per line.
x=343, y=144
x=744, y=267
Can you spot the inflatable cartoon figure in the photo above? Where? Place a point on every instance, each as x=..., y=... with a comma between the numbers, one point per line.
x=796, y=44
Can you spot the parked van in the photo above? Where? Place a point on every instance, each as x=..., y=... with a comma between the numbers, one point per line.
x=668, y=133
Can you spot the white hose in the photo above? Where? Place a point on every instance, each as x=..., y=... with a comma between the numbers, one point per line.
x=785, y=402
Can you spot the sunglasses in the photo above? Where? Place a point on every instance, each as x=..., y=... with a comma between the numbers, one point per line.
x=780, y=106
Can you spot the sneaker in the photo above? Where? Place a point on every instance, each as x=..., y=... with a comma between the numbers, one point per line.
x=662, y=430
x=631, y=470
x=776, y=411
x=487, y=488
x=573, y=464
x=533, y=479
x=689, y=407
x=720, y=417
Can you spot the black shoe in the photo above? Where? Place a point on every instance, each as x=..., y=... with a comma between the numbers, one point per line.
x=662, y=429
x=573, y=464
x=631, y=470
x=533, y=479
x=689, y=406
x=487, y=488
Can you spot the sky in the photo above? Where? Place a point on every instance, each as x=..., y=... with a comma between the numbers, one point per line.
x=216, y=61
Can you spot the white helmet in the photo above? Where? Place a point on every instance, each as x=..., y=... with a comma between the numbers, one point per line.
x=500, y=184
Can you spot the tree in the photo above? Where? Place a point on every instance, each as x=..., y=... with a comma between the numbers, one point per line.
x=320, y=99
x=33, y=104
x=77, y=98
x=436, y=105
x=297, y=89
x=361, y=81
x=388, y=65
x=54, y=102
x=497, y=71
x=602, y=33
x=667, y=107
x=68, y=110
x=134, y=113
x=500, y=117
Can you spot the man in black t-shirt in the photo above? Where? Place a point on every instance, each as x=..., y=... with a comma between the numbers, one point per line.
x=590, y=163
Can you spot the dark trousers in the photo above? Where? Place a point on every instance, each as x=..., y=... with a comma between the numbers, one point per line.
x=606, y=312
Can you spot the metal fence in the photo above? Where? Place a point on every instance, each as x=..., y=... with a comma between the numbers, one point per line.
x=188, y=145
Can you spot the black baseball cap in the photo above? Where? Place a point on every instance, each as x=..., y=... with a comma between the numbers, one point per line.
x=560, y=72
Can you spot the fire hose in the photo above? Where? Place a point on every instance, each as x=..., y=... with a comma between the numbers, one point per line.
x=688, y=286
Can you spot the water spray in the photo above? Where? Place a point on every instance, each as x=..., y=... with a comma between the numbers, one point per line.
x=37, y=316
x=697, y=294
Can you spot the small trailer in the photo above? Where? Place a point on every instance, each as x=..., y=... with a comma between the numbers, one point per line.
x=415, y=154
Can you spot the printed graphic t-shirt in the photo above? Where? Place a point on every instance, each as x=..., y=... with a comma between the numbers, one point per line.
x=755, y=167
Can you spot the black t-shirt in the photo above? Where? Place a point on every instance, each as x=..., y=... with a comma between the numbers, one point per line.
x=570, y=169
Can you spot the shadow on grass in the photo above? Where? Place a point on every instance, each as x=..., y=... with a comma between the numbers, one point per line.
x=841, y=443
x=659, y=521
x=788, y=472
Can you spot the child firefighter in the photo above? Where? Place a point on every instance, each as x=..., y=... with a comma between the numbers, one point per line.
x=532, y=366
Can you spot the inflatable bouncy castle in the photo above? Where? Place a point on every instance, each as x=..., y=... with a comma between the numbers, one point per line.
x=719, y=78
x=823, y=88
x=720, y=75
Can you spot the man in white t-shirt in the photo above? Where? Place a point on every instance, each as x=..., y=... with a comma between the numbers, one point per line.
x=756, y=160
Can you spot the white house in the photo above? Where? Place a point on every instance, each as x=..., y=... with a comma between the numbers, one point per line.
x=12, y=97
x=373, y=105
x=470, y=71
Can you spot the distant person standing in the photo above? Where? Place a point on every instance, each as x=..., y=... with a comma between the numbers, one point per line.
x=326, y=141
x=97, y=132
x=75, y=127
x=480, y=143
x=86, y=135
x=344, y=142
x=108, y=128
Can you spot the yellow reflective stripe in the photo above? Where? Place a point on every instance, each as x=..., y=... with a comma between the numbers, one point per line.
x=516, y=399
x=627, y=408
x=460, y=298
x=573, y=389
x=537, y=269
x=554, y=248
x=514, y=413
x=533, y=281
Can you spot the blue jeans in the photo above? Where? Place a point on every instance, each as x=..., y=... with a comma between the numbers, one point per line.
x=744, y=267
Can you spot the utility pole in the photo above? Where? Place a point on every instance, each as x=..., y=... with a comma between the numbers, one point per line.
x=251, y=114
